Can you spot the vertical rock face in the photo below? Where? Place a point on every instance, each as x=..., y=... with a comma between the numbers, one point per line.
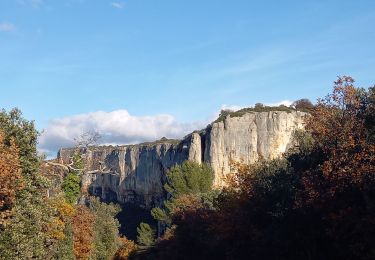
x=248, y=138
x=136, y=173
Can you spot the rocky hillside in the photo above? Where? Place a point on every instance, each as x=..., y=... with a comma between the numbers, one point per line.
x=135, y=173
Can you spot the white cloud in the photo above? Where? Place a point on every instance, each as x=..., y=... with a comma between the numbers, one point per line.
x=232, y=107
x=284, y=102
x=116, y=127
x=7, y=27
x=118, y=5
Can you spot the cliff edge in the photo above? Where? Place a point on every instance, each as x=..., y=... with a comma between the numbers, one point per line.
x=136, y=173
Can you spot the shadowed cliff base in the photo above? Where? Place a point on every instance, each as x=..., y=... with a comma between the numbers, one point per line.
x=130, y=217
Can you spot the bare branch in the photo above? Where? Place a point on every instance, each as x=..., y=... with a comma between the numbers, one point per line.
x=59, y=164
x=87, y=139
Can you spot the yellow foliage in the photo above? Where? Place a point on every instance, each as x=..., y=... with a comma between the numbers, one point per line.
x=56, y=229
x=63, y=213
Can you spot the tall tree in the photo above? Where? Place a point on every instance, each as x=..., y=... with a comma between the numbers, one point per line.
x=83, y=232
x=71, y=183
x=26, y=234
x=10, y=178
x=146, y=235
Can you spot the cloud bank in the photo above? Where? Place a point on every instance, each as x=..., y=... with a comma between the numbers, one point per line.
x=119, y=127
x=116, y=127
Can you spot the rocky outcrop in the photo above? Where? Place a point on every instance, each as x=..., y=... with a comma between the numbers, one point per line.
x=136, y=173
x=247, y=138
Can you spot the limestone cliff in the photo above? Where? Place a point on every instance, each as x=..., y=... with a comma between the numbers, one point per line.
x=136, y=173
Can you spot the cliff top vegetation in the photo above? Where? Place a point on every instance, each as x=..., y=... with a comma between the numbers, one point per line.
x=302, y=105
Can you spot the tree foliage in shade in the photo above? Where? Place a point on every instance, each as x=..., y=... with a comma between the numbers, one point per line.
x=186, y=183
x=146, y=235
x=368, y=111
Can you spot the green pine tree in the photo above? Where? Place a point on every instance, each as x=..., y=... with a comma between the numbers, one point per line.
x=146, y=235
x=189, y=178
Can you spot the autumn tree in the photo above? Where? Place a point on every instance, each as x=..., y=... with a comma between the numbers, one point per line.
x=83, y=232
x=60, y=230
x=10, y=178
x=127, y=247
x=341, y=186
x=339, y=132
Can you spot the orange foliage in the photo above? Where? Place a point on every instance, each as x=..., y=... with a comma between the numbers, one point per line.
x=339, y=133
x=186, y=202
x=127, y=247
x=10, y=178
x=239, y=191
x=83, y=232
x=65, y=210
x=168, y=234
x=240, y=173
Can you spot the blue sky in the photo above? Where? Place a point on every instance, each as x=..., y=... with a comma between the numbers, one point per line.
x=66, y=63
